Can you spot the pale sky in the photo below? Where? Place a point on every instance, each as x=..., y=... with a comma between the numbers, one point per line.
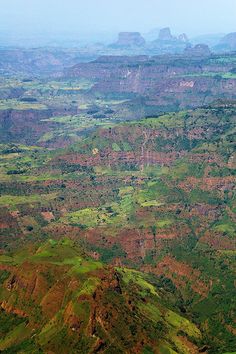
x=191, y=16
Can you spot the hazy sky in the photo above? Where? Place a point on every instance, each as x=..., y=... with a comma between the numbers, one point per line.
x=191, y=16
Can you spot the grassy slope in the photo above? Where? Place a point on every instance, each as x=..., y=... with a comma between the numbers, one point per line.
x=80, y=321
x=159, y=199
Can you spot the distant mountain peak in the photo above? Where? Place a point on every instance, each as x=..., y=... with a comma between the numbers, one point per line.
x=129, y=39
x=165, y=34
x=198, y=50
x=229, y=40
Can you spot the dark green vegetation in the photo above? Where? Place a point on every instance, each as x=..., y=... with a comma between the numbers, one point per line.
x=116, y=237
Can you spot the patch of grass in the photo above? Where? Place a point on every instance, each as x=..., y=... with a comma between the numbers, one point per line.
x=16, y=335
x=166, y=349
x=9, y=321
x=126, y=190
x=115, y=147
x=182, y=324
x=200, y=196
x=131, y=275
x=151, y=311
x=164, y=223
x=150, y=203
x=85, y=217
x=4, y=275
x=85, y=267
x=61, y=253
x=13, y=200
x=6, y=259
x=154, y=193
x=116, y=213
x=46, y=137
x=228, y=228
x=166, y=121
x=21, y=106
x=183, y=169
x=50, y=330
x=89, y=286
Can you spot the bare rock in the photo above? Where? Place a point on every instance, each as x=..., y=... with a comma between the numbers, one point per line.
x=165, y=34
x=130, y=39
x=198, y=50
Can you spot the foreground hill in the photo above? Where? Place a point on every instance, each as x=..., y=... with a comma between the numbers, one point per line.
x=54, y=299
x=155, y=195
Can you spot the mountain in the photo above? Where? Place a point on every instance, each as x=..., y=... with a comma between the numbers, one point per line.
x=158, y=42
x=199, y=50
x=152, y=35
x=149, y=210
x=55, y=298
x=228, y=42
x=167, y=43
x=117, y=201
x=58, y=110
x=210, y=39
x=165, y=34
x=129, y=39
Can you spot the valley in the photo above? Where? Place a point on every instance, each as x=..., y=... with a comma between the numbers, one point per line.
x=117, y=201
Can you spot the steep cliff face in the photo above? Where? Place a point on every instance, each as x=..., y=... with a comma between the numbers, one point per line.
x=166, y=43
x=165, y=35
x=25, y=126
x=180, y=82
x=29, y=125
x=130, y=39
x=56, y=113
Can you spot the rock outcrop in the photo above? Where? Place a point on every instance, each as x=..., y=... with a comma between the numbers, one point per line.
x=198, y=50
x=154, y=79
x=167, y=43
x=130, y=39
x=183, y=38
x=165, y=35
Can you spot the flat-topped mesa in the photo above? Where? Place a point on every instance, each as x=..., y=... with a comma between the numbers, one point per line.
x=198, y=50
x=165, y=35
x=130, y=39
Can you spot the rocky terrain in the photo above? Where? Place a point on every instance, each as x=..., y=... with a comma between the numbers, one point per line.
x=164, y=43
x=69, y=104
x=155, y=196
x=129, y=39
x=164, y=83
x=49, y=60
x=117, y=201
x=71, y=301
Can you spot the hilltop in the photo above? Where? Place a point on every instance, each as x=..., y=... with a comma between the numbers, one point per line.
x=55, y=297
